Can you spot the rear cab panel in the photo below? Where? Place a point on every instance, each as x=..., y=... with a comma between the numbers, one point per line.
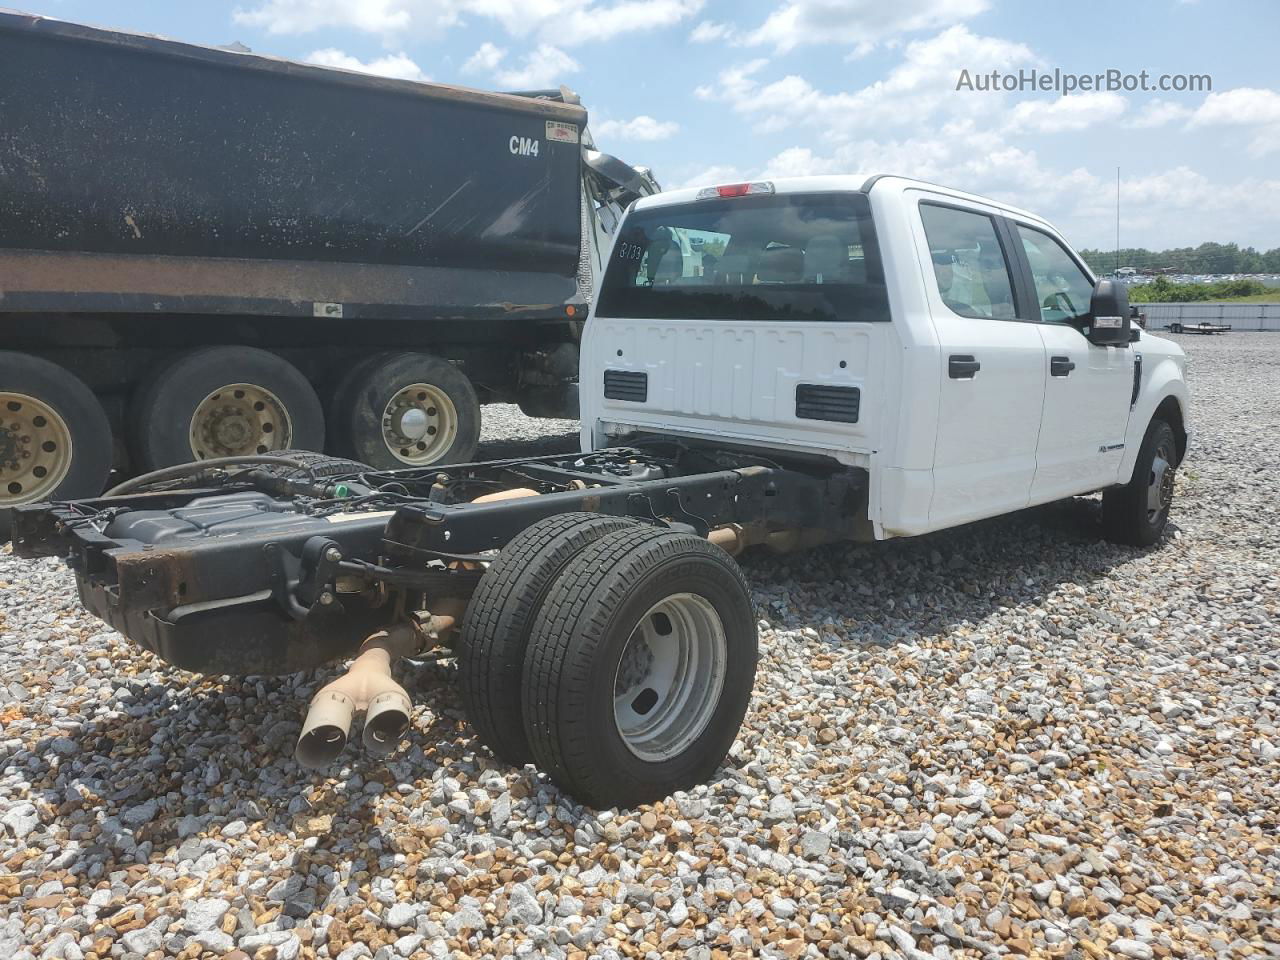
x=759, y=320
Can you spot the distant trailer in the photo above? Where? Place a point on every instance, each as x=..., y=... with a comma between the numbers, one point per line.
x=1202, y=327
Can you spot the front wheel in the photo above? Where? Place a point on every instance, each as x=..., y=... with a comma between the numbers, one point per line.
x=639, y=667
x=1136, y=513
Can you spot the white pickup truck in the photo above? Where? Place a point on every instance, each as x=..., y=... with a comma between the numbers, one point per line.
x=777, y=363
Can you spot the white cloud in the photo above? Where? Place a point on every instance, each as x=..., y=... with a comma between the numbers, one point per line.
x=393, y=65
x=563, y=22
x=710, y=176
x=709, y=31
x=859, y=23
x=597, y=22
x=918, y=89
x=1244, y=107
x=1077, y=111
x=642, y=127
x=485, y=59
x=370, y=16
x=1158, y=113
x=543, y=68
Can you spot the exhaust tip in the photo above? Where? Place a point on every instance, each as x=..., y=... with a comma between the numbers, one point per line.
x=325, y=731
x=320, y=746
x=386, y=722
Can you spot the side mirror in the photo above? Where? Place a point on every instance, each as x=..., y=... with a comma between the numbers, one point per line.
x=1109, y=322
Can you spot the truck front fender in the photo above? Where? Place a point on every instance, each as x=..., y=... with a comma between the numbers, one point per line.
x=1163, y=393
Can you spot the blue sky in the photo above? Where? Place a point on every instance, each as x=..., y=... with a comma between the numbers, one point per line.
x=715, y=90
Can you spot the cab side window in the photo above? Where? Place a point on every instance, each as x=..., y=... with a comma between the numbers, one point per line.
x=1062, y=288
x=969, y=265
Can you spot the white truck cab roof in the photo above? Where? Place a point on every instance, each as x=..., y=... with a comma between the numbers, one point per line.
x=881, y=183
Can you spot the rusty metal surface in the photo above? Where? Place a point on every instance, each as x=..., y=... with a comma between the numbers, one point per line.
x=56, y=281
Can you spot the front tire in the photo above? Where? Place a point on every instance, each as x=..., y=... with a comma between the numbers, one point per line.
x=1136, y=514
x=639, y=667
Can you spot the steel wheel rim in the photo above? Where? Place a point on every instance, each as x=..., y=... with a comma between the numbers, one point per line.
x=35, y=449
x=1160, y=482
x=669, y=677
x=419, y=424
x=237, y=420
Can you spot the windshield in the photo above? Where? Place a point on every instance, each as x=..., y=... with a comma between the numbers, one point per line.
x=789, y=257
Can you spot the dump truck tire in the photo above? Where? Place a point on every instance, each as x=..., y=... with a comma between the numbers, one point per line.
x=500, y=616
x=639, y=668
x=55, y=441
x=222, y=402
x=396, y=411
x=1136, y=514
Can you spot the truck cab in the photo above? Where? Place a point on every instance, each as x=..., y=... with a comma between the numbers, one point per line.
x=952, y=346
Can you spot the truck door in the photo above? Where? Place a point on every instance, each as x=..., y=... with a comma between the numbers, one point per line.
x=991, y=366
x=1087, y=393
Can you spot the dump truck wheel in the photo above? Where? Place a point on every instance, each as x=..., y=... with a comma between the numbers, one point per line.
x=225, y=402
x=55, y=441
x=1136, y=513
x=500, y=615
x=639, y=667
x=405, y=410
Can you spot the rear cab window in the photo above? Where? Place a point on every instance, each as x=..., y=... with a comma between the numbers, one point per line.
x=969, y=265
x=762, y=257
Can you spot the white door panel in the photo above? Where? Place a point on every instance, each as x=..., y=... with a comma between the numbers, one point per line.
x=1086, y=413
x=985, y=455
x=739, y=379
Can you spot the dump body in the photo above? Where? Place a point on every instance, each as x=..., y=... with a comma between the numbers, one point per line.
x=142, y=174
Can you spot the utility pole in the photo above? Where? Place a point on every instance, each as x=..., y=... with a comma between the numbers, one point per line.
x=1117, y=218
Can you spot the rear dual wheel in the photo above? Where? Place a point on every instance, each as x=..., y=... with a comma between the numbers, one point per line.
x=638, y=660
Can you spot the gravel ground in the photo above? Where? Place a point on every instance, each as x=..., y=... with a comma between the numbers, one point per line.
x=1010, y=739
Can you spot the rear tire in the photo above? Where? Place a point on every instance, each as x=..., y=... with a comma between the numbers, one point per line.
x=221, y=402
x=1136, y=513
x=639, y=668
x=55, y=441
x=396, y=411
x=496, y=628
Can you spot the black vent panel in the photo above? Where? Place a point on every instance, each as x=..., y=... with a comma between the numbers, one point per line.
x=632, y=385
x=816, y=401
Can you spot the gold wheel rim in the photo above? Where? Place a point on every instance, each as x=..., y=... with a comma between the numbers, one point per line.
x=238, y=420
x=35, y=449
x=419, y=424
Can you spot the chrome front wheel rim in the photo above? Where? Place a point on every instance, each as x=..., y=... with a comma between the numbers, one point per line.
x=240, y=419
x=35, y=449
x=670, y=677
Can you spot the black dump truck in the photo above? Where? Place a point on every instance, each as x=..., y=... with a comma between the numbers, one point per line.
x=207, y=253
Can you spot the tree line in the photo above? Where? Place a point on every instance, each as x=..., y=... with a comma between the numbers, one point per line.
x=1206, y=258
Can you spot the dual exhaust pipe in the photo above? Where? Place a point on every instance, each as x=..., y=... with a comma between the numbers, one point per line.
x=367, y=685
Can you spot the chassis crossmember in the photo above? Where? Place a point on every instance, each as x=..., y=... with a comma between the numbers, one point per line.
x=258, y=574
